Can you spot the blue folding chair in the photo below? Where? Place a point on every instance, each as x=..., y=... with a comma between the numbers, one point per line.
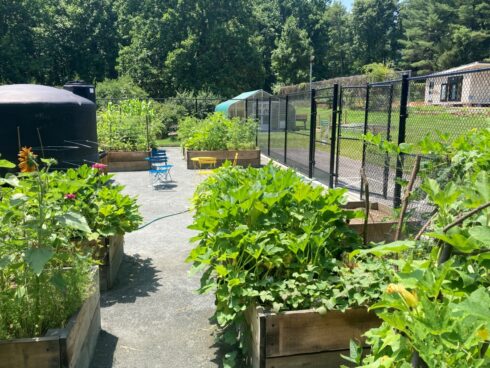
x=160, y=175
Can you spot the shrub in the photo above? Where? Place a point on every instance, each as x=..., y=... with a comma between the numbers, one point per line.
x=167, y=116
x=198, y=104
x=216, y=132
x=128, y=126
x=122, y=88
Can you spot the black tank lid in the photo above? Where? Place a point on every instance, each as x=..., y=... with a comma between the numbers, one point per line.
x=33, y=93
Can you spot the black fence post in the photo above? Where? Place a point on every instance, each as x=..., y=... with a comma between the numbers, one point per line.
x=286, y=131
x=386, y=171
x=401, y=139
x=333, y=135
x=196, y=108
x=257, y=118
x=339, y=133
x=365, y=130
x=246, y=109
x=312, y=133
x=269, y=128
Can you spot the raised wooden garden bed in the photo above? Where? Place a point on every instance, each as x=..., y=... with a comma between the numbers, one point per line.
x=245, y=157
x=381, y=223
x=72, y=346
x=111, y=261
x=305, y=338
x=126, y=161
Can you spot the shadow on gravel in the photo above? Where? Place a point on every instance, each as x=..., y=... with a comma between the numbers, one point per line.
x=104, y=350
x=137, y=278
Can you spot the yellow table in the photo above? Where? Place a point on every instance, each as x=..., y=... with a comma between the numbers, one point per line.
x=199, y=161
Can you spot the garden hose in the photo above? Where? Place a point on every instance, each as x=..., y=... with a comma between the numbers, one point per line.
x=162, y=217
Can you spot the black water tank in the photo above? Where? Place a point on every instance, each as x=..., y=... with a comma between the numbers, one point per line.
x=81, y=88
x=51, y=120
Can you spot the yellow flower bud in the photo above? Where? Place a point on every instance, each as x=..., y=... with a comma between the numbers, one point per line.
x=483, y=334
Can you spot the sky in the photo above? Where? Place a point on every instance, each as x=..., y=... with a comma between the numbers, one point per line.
x=347, y=3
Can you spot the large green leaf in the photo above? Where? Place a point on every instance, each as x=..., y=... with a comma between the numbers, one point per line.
x=74, y=221
x=38, y=257
x=384, y=249
x=6, y=164
x=481, y=233
x=477, y=305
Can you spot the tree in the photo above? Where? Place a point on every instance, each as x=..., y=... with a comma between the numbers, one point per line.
x=16, y=40
x=426, y=33
x=376, y=31
x=339, y=43
x=291, y=58
x=75, y=39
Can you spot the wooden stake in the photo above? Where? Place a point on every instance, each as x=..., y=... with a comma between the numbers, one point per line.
x=367, y=206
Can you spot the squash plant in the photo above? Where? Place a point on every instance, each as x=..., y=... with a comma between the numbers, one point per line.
x=437, y=314
x=267, y=237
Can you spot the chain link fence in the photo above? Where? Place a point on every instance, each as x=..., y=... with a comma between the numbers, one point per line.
x=324, y=134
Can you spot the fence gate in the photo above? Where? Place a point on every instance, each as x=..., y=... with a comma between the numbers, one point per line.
x=352, y=117
x=325, y=105
x=378, y=165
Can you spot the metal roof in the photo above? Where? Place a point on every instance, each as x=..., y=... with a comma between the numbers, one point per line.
x=224, y=106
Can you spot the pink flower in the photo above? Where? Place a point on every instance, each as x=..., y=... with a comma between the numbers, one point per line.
x=99, y=166
x=70, y=196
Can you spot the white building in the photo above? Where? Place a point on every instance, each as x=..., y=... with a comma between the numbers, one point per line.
x=449, y=87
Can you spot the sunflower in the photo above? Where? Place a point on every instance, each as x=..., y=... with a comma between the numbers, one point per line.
x=27, y=160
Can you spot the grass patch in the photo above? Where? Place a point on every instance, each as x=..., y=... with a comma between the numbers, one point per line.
x=171, y=141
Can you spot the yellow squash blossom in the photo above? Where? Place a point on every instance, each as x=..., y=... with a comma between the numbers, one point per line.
x=410, y=298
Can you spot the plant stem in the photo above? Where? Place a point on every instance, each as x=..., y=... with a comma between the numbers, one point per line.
x=408, y=191
x=367, y=206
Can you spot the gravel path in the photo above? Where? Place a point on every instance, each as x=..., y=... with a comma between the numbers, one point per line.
x=153, y=317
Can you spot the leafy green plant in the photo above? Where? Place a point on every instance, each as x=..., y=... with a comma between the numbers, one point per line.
x=128, y=126
x=265, y=237
x=44, y=278
x=216, y=132
x=438, y=311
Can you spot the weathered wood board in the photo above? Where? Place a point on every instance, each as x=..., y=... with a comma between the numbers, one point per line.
x=118, y=161
x=381, y=229
x=112, y=262
x=72, y=346
x=304, y=338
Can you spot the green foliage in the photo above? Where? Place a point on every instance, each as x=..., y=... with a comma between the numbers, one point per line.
x=46, y=219
x=156, y=43
x=263, y=233
x=440, y=34
x=198, y=104
x=107, y=210
x=122, y=88
x=291, y=58
x=378, y=72
x=167, y=116
x=216, y=132
x=376, y=30
x=440, y=306
x=128, y=126
x=265, y=237
x=43, y=278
